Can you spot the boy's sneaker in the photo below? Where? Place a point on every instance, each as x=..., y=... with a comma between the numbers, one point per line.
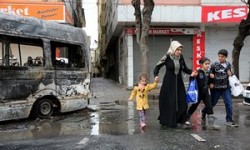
x=232, y=124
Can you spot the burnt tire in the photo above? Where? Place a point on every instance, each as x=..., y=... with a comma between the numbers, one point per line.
x=44, y=109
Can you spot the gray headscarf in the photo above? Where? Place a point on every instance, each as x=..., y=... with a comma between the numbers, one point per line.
x=172, y=48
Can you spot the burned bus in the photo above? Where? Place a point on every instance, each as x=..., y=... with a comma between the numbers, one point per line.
x=44, y=68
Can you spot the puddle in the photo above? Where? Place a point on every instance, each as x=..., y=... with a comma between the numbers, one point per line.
x=247, y=121
x=76, y=123
x=121, y=119
x=15, y=128
x=115, y=118
x=112, y=122
x=116, y=122
x=118, y=119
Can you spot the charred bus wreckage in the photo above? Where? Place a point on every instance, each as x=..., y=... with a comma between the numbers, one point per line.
x=44, y=68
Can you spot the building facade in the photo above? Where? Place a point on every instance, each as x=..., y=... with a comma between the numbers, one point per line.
x=202, y=26
x=68, y=12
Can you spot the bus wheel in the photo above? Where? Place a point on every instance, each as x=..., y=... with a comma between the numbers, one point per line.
x=44, y=108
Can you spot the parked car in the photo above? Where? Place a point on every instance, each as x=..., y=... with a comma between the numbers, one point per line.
x=246, y=95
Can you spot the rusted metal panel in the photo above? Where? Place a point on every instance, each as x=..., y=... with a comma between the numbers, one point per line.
x=19, y=85
x=71, y=89
x=73, y=104
x=15, y=110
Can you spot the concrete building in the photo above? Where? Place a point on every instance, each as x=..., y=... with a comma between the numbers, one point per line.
x=202, y=26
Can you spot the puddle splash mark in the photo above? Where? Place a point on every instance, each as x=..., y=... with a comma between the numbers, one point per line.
x=83, y=141
x=131, y=115
x=95, y=124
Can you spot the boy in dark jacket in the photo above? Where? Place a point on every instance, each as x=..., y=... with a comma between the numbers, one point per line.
x=220, y=85
x=202, y=78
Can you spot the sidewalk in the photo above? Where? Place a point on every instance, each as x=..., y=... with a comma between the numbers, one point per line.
x=108, y=91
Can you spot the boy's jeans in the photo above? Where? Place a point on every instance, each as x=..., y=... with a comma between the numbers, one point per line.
x=226, y=95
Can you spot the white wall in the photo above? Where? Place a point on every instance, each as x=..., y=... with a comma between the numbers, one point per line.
x=222, y=38
x=178, y=14
x=130, y=61
x=221, y=2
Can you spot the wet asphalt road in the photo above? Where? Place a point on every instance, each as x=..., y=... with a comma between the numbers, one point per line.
x=112, y=123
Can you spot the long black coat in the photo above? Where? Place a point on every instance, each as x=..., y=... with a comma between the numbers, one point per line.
x=172, y=98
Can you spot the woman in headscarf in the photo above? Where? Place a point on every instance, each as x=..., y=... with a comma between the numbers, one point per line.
x=172, y=98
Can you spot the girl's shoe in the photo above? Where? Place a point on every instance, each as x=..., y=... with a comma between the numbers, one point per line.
x=187, y=125
x=143, y=125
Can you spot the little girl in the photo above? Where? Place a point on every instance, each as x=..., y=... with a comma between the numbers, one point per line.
x=203, y=93
x=141, y=92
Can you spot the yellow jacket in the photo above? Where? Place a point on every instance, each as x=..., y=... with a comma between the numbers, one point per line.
x=142, y=96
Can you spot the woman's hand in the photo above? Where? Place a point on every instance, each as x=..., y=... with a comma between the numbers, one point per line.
x=194, y=73
x=156, y=78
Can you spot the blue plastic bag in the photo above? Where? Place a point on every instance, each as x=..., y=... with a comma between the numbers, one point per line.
x=192, y=92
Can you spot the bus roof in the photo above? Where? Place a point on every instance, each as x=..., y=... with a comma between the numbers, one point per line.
x=37, y=28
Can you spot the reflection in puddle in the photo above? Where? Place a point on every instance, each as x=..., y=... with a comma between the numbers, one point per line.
x=114, y=121
x=74, y=124
x=196, y=121
x=131, y=115
x=247, y=121
x=95, y=124
x=120, y=119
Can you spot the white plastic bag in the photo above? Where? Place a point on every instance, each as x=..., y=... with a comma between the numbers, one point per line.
x=236, y=86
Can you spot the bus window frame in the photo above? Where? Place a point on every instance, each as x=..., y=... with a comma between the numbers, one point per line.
x=19, y=41
x=68, y=45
